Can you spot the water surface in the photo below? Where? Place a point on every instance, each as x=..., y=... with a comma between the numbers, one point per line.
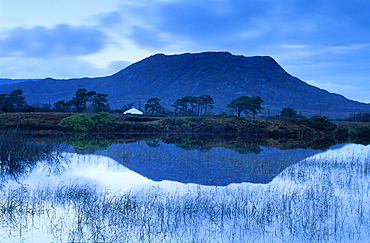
x=158, y=192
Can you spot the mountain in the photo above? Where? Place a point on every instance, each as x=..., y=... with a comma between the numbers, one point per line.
x=220, y=74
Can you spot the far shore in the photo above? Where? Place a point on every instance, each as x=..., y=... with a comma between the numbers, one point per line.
x=265, y=131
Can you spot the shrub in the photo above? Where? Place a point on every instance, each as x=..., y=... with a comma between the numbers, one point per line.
x=102, y=117
x=288, y=112
x=100, y=120
x=353, y=132
x=80, y=122
x=181, y=122
x=320, y=123
x=360, y=132
x=88, y=143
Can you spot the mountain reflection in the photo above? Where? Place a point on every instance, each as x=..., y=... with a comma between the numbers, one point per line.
x=205, y=166
x=201, y=160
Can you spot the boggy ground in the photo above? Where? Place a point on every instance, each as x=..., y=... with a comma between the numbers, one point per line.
x=226, y=126
x=149, y=124
x=292, y=132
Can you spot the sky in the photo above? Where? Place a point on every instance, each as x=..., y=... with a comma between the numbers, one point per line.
x=325, y=43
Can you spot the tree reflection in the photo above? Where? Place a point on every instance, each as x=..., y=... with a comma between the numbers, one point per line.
x=86, y=143
x=19, y=156
x=153, y=144
x=248, y=150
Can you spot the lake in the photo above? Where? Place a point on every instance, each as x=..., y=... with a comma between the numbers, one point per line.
x=151, y=191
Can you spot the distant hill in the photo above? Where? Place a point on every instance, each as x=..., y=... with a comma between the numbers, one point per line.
x=220, y=74
x=13, y=81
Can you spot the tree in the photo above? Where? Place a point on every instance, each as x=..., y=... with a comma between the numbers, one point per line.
x=205, y=102
x=193, y=105
x=3, y=98
x=153, y=106
x=61, y=106
x=100, y=103
x=246, y=104
x=12, y=102
x=16, y=99
x=178, y=106
x=239, y=104
x=186, y=102
x=42, y=107
x=28, y=108
x=254, y=106
x=288, y=112
x=79, y=101
x=182, y=105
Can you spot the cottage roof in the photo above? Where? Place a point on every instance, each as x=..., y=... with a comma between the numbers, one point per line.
x=134, y=111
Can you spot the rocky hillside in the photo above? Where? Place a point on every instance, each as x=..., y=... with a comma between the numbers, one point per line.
x=220, y=74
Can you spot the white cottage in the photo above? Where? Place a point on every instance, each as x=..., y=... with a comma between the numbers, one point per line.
x=133, y=111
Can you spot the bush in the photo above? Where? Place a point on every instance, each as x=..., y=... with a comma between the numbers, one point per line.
x=288, y=112
x=100, y=120
x=102, y=117
x=359, y=135
x=88, y=143
x=181, y=122
x=80, y=122
x=353, y=132
x=320, y=123
x=360, y=132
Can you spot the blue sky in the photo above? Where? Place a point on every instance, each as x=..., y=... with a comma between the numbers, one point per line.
x=325, y=43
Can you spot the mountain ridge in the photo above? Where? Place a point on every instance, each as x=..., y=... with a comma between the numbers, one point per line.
x=222, y=75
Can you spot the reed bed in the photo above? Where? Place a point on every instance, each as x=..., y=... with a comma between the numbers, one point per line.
x=78, y=213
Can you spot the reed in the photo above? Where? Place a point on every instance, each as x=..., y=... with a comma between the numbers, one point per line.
x=83, y=213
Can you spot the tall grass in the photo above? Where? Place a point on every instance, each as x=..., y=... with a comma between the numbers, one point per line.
x=78, y=213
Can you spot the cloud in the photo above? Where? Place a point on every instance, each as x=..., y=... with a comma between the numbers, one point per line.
x=61, y=67
x=146, y=37
x=111, y=18
x=63, y=40
x=118, y=66
x=349, y=91
x=159, y=24
x=209, y=21
x=245, y=25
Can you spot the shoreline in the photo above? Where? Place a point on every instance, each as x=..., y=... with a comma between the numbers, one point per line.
x=240, y=131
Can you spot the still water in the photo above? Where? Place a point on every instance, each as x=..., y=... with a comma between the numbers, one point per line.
x=157, y=192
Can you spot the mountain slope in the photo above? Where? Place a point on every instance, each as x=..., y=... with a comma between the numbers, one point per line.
x=220, y=74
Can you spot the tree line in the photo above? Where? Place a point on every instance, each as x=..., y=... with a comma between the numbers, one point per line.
x=93, y=102
x=82, y=101
x=193, y=105
x=200, y=105
x=361, y=117
x=79, y=102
